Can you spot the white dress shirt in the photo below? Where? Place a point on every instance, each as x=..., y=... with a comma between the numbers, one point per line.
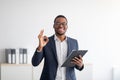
x=61, y=49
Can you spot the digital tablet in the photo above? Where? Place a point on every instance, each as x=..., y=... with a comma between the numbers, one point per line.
x=73, y=54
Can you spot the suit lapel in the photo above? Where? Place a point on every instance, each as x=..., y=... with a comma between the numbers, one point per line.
x=68, y=44
x=53, y=46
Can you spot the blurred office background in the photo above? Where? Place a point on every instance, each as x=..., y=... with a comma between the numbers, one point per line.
x=94, y=23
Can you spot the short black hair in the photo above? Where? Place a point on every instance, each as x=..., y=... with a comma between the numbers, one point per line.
x=59, y=17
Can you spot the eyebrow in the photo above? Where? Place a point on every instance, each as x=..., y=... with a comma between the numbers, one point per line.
x=60, y=22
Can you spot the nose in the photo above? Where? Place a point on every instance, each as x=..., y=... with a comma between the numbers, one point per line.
x=61, y=25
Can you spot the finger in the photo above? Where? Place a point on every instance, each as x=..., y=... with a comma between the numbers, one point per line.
x=80, y=57
x=74, y=61
x=77, y=60
x=46, y=39
x=41, y=32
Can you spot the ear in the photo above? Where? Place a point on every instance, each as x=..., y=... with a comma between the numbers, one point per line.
x=67, y=26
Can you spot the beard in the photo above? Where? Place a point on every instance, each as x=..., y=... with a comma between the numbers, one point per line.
x=60, y=34
x=60, y=30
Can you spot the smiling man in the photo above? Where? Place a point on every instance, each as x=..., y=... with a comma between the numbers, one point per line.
x=55, y=50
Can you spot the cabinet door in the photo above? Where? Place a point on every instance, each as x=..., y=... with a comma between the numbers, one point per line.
x=16, y=72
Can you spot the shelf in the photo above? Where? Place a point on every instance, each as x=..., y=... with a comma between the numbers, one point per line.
x=16, y=71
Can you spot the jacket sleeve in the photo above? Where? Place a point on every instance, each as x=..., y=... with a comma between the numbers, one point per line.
x=77, y=67
x=37, y=58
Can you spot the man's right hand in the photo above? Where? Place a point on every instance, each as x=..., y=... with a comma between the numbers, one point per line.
x=43, y=40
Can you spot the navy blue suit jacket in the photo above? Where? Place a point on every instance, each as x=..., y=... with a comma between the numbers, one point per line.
x=50, y=60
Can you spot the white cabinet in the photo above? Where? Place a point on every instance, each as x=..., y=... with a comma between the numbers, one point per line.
x=116, y=72
x=16, y=72
x=27, y=72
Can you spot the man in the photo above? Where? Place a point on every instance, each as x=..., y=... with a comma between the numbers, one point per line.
x=55, y=50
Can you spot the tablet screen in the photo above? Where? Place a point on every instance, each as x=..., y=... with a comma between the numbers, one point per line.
x=73, y=54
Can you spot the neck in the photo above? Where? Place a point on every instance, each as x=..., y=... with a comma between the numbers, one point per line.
x=61, y=37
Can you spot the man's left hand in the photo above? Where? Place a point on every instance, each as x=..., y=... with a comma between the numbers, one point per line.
x=78, y=61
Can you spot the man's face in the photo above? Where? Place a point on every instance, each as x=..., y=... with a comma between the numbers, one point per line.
x=60, y=26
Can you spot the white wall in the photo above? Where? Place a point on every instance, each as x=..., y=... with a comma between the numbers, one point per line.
x=95, y=23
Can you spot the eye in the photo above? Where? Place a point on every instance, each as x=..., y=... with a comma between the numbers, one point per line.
x=64, y=24
x=58, y=24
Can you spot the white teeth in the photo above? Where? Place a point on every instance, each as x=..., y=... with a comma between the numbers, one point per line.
x=60, y=29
